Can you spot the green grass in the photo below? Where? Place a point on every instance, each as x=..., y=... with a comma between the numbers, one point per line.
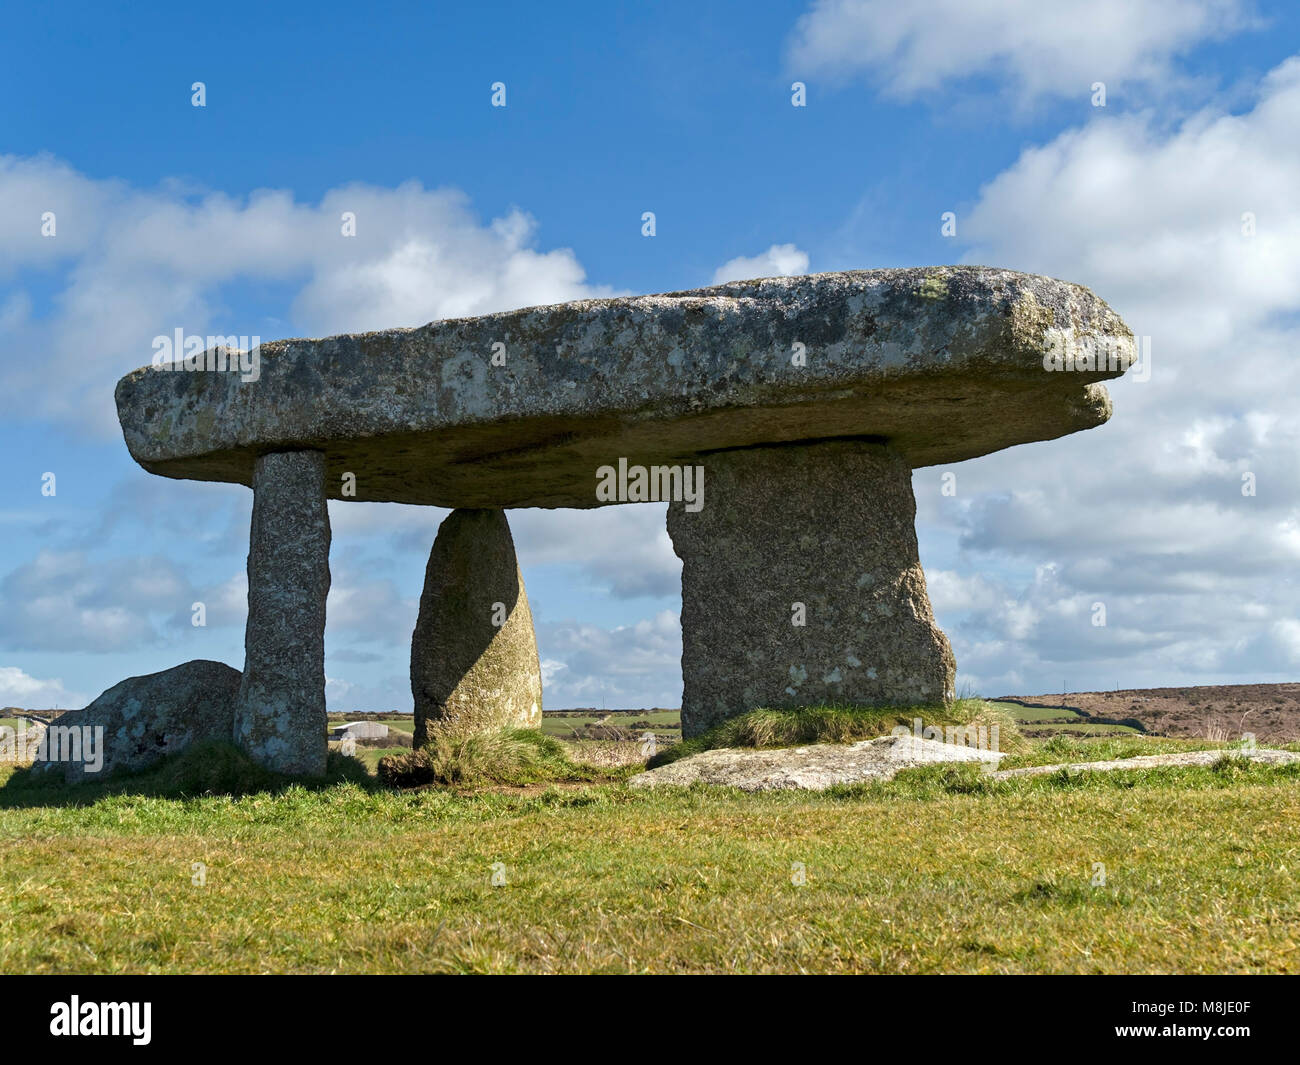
x=839, y=724
x=563, y=726
x=663, y=722
x=942, y=869
x=514, y=757
x=1088, y=728
x=1057, y=720
x=371, y=756
x=1066, y=748
x=1027, y=715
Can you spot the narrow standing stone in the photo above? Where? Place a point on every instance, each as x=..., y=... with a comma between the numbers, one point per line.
x=474, y=664
x=821, y=533
x=280, y=715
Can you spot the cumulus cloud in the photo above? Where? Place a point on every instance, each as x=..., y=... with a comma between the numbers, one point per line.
x=1182, y=515
x=624, y=667
x=62, y=600
x=26, y=692
x=780, y=260
x=130, y=264
x=1058, y=48
x=624, y=550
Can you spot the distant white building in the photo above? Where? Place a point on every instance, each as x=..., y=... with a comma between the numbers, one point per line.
x=359, y=730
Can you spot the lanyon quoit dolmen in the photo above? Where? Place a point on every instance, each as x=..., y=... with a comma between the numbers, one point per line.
x=805, y=401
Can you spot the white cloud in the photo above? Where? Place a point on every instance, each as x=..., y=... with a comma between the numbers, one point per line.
x=1147, y=514
x=1041, y=48
x=133, y=264
x=63, y=600
x=625, y=667
x=623, y=549
x=28, y=693
x=780, y=260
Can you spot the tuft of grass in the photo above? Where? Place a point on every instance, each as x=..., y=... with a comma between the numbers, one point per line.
x=841, y=724
x=514, y=757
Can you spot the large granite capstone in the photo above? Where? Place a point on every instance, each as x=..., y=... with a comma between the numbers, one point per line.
x=942, y=363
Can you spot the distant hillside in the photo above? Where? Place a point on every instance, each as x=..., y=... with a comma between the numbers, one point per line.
x=1222, y=711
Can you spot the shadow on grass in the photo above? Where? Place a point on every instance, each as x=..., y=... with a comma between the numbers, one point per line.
x=206, y=768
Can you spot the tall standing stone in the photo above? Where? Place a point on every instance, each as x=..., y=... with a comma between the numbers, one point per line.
x=801, y=585
x=474, y=664
x=280, y=714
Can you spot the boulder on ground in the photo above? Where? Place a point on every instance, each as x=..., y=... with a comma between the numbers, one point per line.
x=141, y=719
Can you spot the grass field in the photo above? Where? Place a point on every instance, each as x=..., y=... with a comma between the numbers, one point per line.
x=942, y=869
x=665, y=723
x=1056, y=719
x=1034, y=714
x=1088, y=727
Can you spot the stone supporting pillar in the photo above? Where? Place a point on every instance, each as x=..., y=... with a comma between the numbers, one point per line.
x=280, y=714
x=474, y=664
x=801, y=585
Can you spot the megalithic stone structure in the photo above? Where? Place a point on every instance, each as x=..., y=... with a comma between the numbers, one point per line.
x=908, y=368
x=474, y=663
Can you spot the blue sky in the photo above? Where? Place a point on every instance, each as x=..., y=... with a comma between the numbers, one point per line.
x=225, y=218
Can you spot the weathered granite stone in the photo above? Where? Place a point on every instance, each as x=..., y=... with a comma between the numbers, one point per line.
x=145, y=718
x=474, y=664
x=818, y=533
x=1262, y=755
x=280, y=716
x=945, y=363
x=812, y=768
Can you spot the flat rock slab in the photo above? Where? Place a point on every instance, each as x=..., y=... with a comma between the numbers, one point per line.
x=812, y=768
x=941, y=363
x=1154, y=761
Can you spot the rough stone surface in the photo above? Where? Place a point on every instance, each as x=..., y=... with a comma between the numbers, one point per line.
x=829, y=526
x=1266, y=756
x=280, y=716
x=145, y=718
x=944, y=363
x=812, y=768
x=468, y=672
